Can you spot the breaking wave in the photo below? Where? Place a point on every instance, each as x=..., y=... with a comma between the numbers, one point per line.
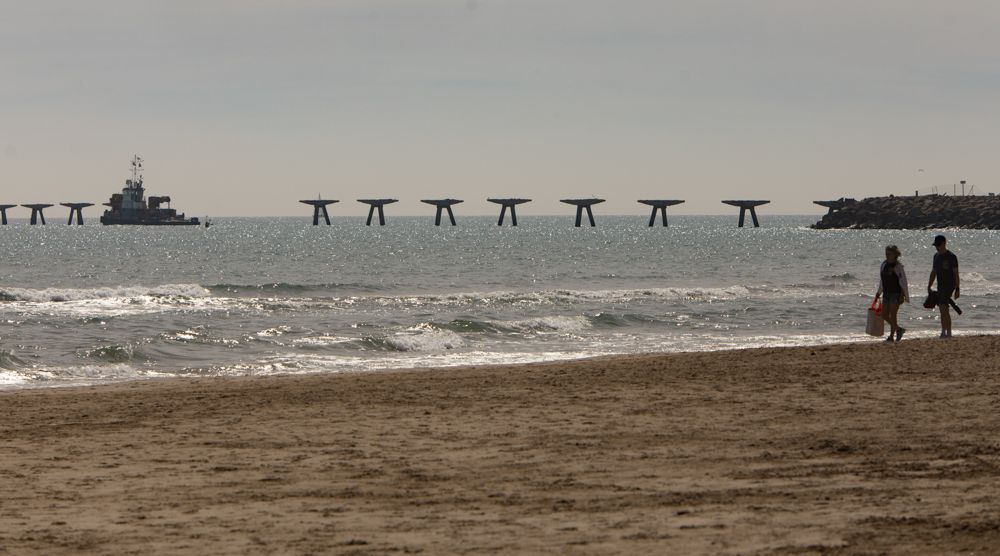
x=424, y=338
x=85, y=294
x=285, y=288
x=9, y=361
x=551, y=324
x=116, y=353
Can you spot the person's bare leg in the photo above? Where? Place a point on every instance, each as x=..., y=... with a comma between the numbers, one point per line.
x=945, y=319
x=894, y=311
x=899, y=328
x=889, y=314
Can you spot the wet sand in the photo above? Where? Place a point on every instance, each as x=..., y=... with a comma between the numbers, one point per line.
x=853, y=449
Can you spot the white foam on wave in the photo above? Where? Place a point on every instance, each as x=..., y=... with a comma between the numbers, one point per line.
x=274, y=332
x=425, y=338
x=112, y=301
x=314, y=364
x=322, y=341
x=974, y=283
x=115, y=292
x=691, y=294
x=79, y=375
x=11, y=378
x=549, y=324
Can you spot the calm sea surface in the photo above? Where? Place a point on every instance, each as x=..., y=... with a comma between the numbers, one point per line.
x=254, y=296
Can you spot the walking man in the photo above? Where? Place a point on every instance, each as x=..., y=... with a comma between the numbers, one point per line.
x=945, y=271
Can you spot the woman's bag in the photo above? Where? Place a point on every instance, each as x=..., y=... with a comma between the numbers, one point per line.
x=875, y=326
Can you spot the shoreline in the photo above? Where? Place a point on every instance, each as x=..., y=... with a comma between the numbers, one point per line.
x=836, y=341
x=851, y=448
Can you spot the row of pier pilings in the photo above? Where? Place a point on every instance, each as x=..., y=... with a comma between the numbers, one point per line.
x=441, y=205
x=38, y=216
x=659, y=206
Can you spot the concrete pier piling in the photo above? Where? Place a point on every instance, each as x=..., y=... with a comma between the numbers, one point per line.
x=76, y=209
x=583, y=204
x=661, y=206
x=3, y=213
x=377, y=204
x=36, y=212
x=744, y=206
x=834, y=206
x=508, y=204
x=318, y=206
x=442, y=204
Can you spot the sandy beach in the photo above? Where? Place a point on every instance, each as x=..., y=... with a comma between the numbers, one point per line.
x=849, y=449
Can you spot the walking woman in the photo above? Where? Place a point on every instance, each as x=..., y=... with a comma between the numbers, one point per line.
x=894, y=290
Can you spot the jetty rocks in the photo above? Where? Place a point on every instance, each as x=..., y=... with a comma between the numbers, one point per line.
x=913, y=213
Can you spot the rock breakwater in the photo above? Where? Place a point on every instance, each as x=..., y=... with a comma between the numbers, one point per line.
x=916, y=213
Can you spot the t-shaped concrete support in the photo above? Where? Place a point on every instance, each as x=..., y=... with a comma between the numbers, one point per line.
x=511, y=204
x=442, y=204
x=834, y=206
x=76, y=209
x=3, y=213
x=583, y=204
x=659, y=205
x=747, y=205
x=376, y=204
x=36, y=212
x=319, y=205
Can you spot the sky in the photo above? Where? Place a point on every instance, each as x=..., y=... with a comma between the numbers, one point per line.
x=243, y=107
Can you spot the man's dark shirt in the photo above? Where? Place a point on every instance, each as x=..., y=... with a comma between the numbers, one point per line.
x=944, y=267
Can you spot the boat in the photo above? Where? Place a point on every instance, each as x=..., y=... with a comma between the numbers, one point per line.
x=131, y=207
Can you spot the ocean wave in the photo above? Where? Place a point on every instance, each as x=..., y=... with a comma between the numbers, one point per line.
x=279, y=288
x=10, y=362
x=315, y=363
x=470, y=325
x=97, y=305
x=198, y=335
x=974, y=283
x=274, y=332
x=188, y=293
x=606, y=307
x=77, y=375
x=323, y=341
x=550, y=324
x=422, y=337
x=11, y=378
x=115, y=353
x=560, y=297
x=568, y=297
x=430, y=340
x=840, y=278
x=47, y=295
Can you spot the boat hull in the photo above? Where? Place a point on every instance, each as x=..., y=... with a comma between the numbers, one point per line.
x=151, y=223
x=113, y=221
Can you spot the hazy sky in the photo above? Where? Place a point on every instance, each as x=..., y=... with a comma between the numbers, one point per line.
x=242, y=107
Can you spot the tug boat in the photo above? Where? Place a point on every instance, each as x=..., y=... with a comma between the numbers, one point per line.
x=131, y=207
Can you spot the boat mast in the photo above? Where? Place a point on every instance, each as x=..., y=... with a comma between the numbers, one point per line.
x=136, y=170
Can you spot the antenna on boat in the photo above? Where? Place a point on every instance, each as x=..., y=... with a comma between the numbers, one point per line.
x=136, y=170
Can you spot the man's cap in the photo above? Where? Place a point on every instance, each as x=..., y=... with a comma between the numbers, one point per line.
x=938, y=240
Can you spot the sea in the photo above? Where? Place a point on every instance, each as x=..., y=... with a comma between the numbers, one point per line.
x=86, y=305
